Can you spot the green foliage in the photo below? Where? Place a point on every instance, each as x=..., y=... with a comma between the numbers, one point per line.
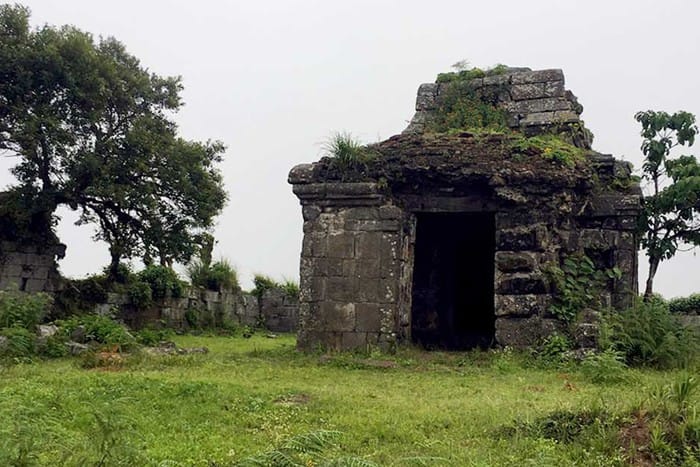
x=152, y=337
x=297, y=451
x=291, y=288
x=671, y=213
x=647, y=334
x=577, y=283
x=218, y=276
x=462, y=108
x=685, y=305
x=163, y=281
x=24, y=217
x=53, y=346
x=192, y=318
x=92, y=129
x=554, y=349
x=140, y=294
x=21, y=343
x=604, y=367
x=111, y=443
x=346, y=152
x=123, y=274
x=23, y=310
x=464, y=73
x=80, y=296
x=261, y=284
x=101, y=329
x=674, y=422
x=550, y=147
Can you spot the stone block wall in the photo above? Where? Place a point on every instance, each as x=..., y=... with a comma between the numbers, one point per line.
x=275, y=311
x=353, y=280
x=532, y=100
x=278, y=311
x=29, y=267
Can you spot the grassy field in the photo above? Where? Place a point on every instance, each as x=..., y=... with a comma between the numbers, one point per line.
x=247, y=396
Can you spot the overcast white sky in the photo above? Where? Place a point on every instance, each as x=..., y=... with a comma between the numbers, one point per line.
x=273, y=79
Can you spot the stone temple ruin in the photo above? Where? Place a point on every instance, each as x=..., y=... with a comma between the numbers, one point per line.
x=448, y=237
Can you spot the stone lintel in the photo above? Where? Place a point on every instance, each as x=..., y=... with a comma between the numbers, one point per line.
x=418, y=203
x=337, y=193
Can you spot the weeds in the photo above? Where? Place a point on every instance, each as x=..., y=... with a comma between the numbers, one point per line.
x=220, y=275
x=605, y=367
x=648, y=334
x=577, y=284
x=24, y=310
x=346, y=152
x=550, y=147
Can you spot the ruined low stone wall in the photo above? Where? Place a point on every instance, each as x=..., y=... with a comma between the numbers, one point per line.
x=275, y=311
x=29, y=267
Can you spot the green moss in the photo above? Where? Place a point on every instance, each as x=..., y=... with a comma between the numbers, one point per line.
x=549, y=146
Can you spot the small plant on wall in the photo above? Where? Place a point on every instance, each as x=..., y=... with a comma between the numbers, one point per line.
x=578, y=284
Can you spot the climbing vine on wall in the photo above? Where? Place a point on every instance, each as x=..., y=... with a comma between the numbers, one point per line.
x=577, y=285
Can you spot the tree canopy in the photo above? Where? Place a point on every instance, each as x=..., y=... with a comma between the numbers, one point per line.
x=671, y=212
x=93, y=130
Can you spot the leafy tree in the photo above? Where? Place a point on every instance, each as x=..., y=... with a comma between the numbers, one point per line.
x=671, y=213
x=92, y=130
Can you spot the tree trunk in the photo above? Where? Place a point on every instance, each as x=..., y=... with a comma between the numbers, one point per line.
x=653, y=266
x=114, y=264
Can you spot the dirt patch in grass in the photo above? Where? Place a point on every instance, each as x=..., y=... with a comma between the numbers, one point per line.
x=293, y=399
x=635, y=438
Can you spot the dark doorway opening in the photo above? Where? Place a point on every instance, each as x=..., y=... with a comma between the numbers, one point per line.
x=453, y=276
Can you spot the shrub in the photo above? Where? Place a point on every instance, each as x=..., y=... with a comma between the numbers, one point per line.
x=123, y=275
x=222, y=276
x=21, y=343
x=25, y=310
x=604, y=367
x=140, y=294
x=262, y=283
x=647, y=334
x=163, y=281
x=290, y=288
x=192, y=317
x=53, y=346
x=554, y=349
x=80, y=296
x=101, y=329
x=685, y=305
x=151, y=337
x=218, y=276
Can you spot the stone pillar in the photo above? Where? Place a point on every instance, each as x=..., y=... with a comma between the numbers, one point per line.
x=351, y=266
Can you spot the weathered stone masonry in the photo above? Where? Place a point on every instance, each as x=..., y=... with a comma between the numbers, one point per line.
x=358, y=254
x=29, y=267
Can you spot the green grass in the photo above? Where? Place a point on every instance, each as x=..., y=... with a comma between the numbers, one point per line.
x=248, y=395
